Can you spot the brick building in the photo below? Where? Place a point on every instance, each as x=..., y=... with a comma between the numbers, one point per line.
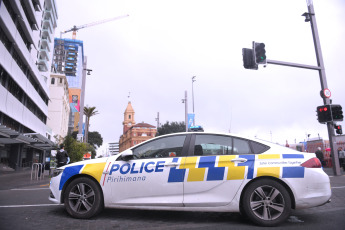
x=133, y=133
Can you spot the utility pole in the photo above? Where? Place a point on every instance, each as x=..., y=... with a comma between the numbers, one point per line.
x=157, y=119
x=193, y=80
x=310, y=16
x=82, y=97
x=249, y=63
x=185, y=109
x=82, y=100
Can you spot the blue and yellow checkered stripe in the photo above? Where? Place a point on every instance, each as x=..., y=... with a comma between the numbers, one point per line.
x=95, y=170
x=195, y=168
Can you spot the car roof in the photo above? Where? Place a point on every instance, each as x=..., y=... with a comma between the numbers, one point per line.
x=211, y=133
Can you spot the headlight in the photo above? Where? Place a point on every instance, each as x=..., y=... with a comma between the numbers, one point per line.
x=57, y=172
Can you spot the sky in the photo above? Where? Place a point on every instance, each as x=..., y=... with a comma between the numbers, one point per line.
x=153, y=54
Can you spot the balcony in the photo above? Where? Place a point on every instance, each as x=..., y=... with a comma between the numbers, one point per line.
x=45, y=53
x=47, y=23
x=45, y=44
x=42, y=65
x=46, y=35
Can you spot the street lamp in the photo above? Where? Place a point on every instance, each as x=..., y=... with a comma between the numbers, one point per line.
x=185, y=109
x=82, y=99
x=193, y=80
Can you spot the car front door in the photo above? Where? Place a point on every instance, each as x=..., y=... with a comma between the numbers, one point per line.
x=215, y=170
x=145, y=179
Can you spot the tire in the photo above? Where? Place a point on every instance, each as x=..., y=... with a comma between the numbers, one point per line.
x=266, y=202
x=83, y=198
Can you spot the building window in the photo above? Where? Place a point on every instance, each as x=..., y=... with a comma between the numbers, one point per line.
x=53, y=81
x=129, y=116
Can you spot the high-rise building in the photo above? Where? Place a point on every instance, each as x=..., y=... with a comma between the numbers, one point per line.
x=26, y=32
x=68, y=59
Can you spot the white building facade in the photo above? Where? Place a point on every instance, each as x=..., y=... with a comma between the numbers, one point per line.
x=114, y=148
x=26, y=39
x=58, y=107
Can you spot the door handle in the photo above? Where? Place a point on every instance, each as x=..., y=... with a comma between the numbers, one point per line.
x=172, y=164
x=239, y=160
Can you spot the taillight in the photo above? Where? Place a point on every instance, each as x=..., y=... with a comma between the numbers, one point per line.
x=312, y=163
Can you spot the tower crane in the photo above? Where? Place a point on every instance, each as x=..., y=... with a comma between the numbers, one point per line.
x=76, y=28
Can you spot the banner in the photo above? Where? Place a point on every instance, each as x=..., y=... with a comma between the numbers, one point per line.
x=191, y=117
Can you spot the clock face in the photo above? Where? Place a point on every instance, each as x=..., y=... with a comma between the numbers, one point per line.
x=129, y=124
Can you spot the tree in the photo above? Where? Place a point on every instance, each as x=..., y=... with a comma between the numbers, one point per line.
x=89, y=112
x=95, y=139
x=75, y=149
x=173, y=127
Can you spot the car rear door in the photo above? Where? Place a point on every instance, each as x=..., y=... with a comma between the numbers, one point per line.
x=216, y=168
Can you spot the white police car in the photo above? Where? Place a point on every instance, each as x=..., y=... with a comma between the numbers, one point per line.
x=196, y=172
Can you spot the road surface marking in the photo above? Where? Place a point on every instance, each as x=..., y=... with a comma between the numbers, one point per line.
x=25, y=189
x=339, y=187
x=28, y=205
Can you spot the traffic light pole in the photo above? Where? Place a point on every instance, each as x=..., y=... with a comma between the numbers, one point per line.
x=323, y=81
x=310, y=16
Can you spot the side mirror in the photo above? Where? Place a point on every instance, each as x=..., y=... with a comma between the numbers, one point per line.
x=127, y=155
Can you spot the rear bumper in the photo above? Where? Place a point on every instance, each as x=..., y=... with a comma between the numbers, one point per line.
x=314, y=191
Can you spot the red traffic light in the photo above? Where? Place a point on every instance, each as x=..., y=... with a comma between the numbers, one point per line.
x=324, y=114
x=323, y=109
x=338, y=129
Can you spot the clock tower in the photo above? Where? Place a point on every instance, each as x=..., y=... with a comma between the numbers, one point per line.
x=128, y=120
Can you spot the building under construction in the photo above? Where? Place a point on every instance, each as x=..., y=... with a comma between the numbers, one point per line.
x=68, y=59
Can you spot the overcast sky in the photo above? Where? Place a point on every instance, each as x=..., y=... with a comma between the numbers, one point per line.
x=155, y=52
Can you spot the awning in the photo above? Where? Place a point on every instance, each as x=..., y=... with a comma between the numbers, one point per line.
x=41, y=141
x=35, y=140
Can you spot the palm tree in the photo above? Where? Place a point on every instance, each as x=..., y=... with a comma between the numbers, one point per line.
x=89, y=112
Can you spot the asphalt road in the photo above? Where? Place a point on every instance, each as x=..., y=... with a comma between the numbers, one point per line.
x=28, y=207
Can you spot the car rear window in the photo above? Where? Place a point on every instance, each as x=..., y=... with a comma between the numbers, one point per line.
x=258, y=147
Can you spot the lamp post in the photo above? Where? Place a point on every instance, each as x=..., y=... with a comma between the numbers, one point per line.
x=82, y=99
x=193, y=80
x=186, y=109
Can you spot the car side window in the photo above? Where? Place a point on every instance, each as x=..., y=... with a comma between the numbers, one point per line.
x=212, y=145
x=241, y=146
x=160, y=148
x=258, y=147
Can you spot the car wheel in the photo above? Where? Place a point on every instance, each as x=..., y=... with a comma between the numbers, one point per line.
x=266, y=202
x=83, y=198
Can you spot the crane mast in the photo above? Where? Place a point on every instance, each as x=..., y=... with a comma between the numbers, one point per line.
x=76, y=28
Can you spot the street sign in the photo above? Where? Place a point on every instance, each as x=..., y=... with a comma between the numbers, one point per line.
x=326, y=93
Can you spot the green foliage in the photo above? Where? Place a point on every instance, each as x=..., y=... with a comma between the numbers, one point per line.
x=95, y=139
x=89, y=112
x=173, y=127
x=75, y=149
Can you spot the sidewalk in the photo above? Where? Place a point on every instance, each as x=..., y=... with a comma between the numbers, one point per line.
x=329, y=171
x=18, y=179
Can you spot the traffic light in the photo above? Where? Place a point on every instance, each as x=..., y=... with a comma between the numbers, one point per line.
x=324, y=113
x=259, y=53
x=337, y=113
x=248, y=59
x=338, y=129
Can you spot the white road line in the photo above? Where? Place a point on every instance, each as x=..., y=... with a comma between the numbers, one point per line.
x=339, y=187
x=24, y=189
x=28, y=205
